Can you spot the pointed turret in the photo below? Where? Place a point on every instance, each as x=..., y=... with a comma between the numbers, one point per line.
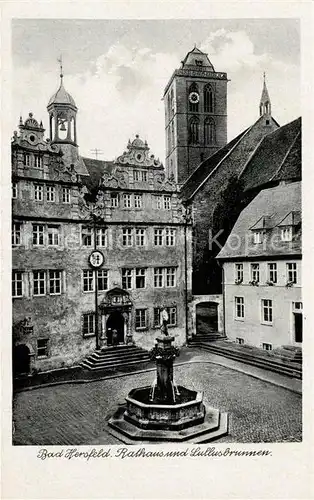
x=265, y=104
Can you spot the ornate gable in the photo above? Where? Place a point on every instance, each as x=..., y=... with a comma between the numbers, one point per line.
x=138, y=154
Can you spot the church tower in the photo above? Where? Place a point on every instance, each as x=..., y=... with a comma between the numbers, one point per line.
x=195, y=114
x=62, y=122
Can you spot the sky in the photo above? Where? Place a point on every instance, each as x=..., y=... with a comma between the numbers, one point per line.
x=116, y=71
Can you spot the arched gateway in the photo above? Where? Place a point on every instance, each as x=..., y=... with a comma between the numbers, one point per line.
x=116, y=315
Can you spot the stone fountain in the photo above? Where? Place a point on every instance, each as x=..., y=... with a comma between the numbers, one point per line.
x=165, y=412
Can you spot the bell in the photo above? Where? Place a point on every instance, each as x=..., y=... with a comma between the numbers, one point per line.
x=63, y=127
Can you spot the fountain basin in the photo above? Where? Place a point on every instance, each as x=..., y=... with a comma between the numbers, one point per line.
x=188, y=410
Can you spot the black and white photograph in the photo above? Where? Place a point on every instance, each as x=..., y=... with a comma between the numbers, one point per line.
x=156, y=252
x=156, y=232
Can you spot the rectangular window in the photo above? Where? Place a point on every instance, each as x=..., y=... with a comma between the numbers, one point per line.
x=172, y=316
x=267, y=347
x=27, y=160
x=38, y=234
x=140, y=318
x=255, y=273
x=292, y=272
x=50, y=193
x=170, y=276
x=88, y=324
x=53, y=235
x=170, y=237
x=140, y=278
x=297, y=306
x=127, y=237
x=38, y=161
x=239, y=340
x=258, y=237
x=42, y=348
x=144, y=176
x=87, y=236
x=158, y=237
x=55, y=282
x=101, y=237
x=272, y=272
x=127, y=278
x=127, y=201
x=16, y=233
x=286, y=234
x=136, y=175
x=39, y=283
x=158, y=277
x=140, y=237
x=239, y=307
x=167, y=202
x=267, y=311
x=88, y=280
x=38, y=192
x=238, y=272
x=66, y=195
x=158, y=202
x=102, y=277
x=138, y=201
x=114, y=200
x=14, y=190
x=17, y=284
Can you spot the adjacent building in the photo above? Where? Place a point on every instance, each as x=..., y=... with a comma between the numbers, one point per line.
x=66, y=207
x=261, y=262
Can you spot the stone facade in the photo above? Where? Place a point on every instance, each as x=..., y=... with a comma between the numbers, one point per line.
x=133, y=217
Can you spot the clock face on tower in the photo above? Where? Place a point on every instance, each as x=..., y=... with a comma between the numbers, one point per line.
x=194, y=97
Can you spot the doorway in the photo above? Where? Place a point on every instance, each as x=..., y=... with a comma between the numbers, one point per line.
x=21, y=360
x=298, y=327
x=115, y=322
x=207, y=317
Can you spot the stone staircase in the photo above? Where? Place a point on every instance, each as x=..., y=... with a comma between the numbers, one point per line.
x=252, y=356
x=209, y=336
x=111, y=358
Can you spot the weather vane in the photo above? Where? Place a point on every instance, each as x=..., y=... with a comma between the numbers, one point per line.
x=61, y=67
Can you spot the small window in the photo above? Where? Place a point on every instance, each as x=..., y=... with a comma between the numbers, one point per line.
x=286, y=234
x=127, y=278
x=66, y=195
x=239, y=307
x=88, y=280
x=140, y=318
x=170, y=277
x=38, y=234
x=27, y=160
x=14, y=190
x=136, y=175
x=102, y=277
x=255, y=273
x=170, y=237
x=140, y=278
x=127, y=201
x=17, y=284
x=272, y=272
x=198, y=62
x=50, y=193
x=297, y=306
x=158, y=277
x=238, y=273
x=101, y=237
x=172, y=316
x=88, y=325
x=42, y=348
x=144, y=176
x=53, y=235
x=258, y=237
x=239, y=340
x=16, y=233
x=127, y=237
x=292, y=272
x=114, y=200
x=139, y=237
x=167, y=202
x=267, y=347
x=55, y=278
x=158, y=237
x=267, y=311
x=39, y=283
x=38, y=161
x=87, y=236
x=38, y=192
x=138, y=201
x=158, y=202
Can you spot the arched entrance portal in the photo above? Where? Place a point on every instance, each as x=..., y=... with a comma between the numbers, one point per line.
x=207, y=317
x=21, y=360
x=115, y=322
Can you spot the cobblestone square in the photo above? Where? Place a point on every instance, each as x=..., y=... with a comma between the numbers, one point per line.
x=77, y=414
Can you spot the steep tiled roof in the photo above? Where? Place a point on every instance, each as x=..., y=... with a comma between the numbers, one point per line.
x=278, y=157
x=206, y=167
x=96, y=169
x=276, y=202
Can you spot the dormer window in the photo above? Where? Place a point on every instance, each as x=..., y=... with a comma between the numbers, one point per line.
x=198, y=62
x=286, y=233
x=258, y=237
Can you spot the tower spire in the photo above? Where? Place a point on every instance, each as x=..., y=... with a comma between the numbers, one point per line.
x=265, y=104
